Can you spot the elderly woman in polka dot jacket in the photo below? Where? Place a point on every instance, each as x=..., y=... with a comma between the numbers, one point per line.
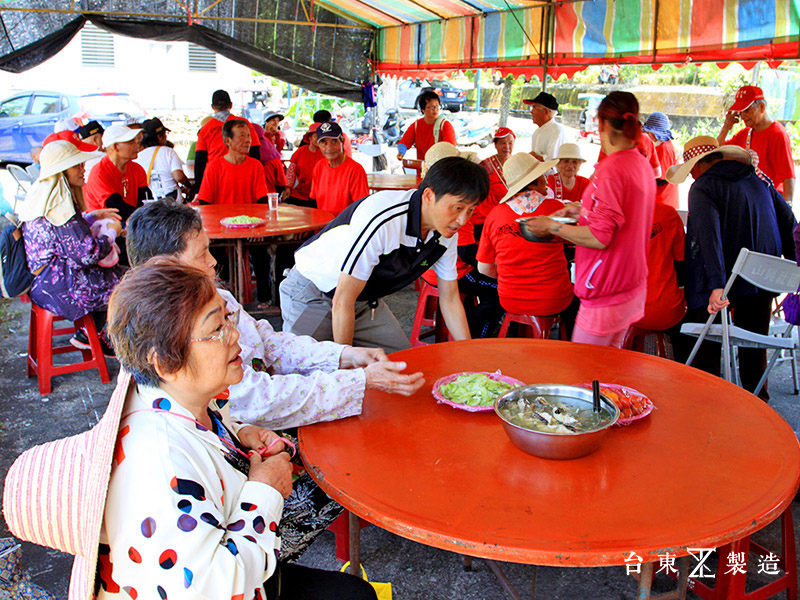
x=194, y=500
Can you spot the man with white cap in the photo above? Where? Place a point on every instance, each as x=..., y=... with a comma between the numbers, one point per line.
x=730, y=208
x=767, y=138
x=117, y=181
x=549, y=136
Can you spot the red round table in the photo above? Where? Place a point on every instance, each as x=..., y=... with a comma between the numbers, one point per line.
x=287, y=221
x=711, y=464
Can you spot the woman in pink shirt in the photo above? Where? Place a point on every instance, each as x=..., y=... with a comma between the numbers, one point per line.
x=612, y=234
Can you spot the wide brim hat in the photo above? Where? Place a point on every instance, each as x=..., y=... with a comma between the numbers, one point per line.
x=119, y=133
x=698, y=147
x=521, y=170
x=55, y=493
x=272, y=115
x=570, y=151
x=58, y=156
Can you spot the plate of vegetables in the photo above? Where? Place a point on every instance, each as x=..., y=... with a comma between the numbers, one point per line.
x=472, y=391
x=633, y=404
x=242, y=221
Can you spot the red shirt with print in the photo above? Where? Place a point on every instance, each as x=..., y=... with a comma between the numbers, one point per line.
x=532, y=278
x=665, y=304
x=774, y=151
x=209, y=138
x=420, y=135
x=105, y=180
x=227, y=183
x=335, y=188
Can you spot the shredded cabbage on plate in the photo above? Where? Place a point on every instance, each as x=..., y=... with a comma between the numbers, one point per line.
x=474, y=389
x=242, y=220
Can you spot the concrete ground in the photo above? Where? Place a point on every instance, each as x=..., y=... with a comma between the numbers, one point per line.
x=417, y=572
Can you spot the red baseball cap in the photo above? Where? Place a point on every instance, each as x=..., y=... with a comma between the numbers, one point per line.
x=72, y=137
x=746, y=95
x=503, y=132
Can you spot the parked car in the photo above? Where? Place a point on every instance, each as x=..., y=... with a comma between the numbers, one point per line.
x=26, y=118
x=452, y=98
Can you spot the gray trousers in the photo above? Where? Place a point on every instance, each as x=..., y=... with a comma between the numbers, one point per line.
x=307, y=311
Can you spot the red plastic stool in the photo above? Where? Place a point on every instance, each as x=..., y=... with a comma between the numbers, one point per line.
x=41, y=348
x=634, y=340
x=429, y=316
x=730, y=585
x=531, y=326
x=341, y=529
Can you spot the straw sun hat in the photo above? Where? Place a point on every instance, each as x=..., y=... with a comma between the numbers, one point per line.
x=442, y=150
x=60, y=155
x=570, y=151
x=698, y=147
x=55, y=494
x=522, y=169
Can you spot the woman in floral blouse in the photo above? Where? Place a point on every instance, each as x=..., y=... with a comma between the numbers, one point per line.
x=67, y=259
x=195, y=499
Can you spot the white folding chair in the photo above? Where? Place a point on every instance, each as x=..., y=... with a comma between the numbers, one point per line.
x=769, y=273
x=23, y=179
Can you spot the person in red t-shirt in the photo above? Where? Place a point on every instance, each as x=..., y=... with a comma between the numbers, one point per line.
x=301, y=170
x=427, y=131
x=273, y=132
x=325, y=116
x=504, y=140
x=118, y=181
x=767, y=138
x=657, y=127
x=337, y=181
x=237, y=178
x=532, y=278
x=665, y=305
x=566, y=184
x=234, y=178
x=209, y=139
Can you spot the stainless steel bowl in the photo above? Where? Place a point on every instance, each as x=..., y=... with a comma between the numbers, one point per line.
x=528, y=234
x=557, y=446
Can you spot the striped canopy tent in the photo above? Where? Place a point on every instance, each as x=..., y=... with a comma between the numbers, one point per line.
x=524, y=37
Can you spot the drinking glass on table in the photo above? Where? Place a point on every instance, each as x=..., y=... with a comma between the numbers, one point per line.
x=273, y=200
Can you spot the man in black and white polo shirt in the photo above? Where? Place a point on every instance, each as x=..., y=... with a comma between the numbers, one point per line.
x=377, y=246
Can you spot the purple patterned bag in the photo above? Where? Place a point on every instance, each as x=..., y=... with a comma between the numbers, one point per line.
x=791, y=309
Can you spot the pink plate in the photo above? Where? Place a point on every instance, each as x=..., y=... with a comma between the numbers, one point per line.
x=227, y=223
x=451, y=378
x=614, y=387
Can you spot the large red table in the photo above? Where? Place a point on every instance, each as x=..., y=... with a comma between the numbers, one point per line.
x=281, y=226
x=710, y=465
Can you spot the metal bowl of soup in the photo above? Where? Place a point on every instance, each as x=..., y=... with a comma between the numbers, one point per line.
x=555, y=421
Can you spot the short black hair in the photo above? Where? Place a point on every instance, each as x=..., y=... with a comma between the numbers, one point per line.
x=425, y=97
x=158, y=228
x=458, y=177
x=220, y=99
x=322, y=116
x=227, y=127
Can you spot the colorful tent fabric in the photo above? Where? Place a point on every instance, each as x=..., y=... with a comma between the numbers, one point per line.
x=595, y=31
